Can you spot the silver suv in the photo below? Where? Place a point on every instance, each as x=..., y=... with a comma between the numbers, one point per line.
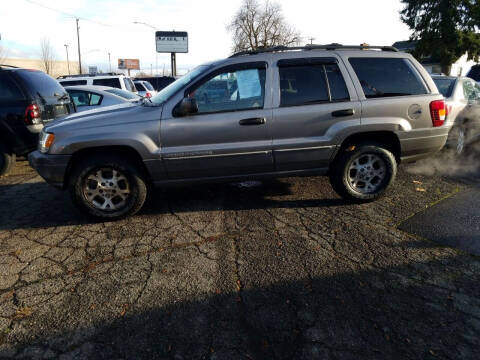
x=352, y=113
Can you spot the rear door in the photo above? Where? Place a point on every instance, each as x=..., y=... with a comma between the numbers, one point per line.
x=230, y=133
x=312, y=98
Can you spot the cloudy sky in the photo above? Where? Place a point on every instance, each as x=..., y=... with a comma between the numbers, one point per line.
x=107, y=26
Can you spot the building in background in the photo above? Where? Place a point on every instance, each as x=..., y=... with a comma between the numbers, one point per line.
x=59, y=67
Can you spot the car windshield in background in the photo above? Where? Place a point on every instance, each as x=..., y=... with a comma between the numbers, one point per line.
x=129, y=84
x=171, y=89
x=445, y=86
x=45, y=85
x=384, y=77
x=124, y=94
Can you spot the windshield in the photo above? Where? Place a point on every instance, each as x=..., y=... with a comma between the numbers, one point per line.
x=445, y=86
x=122, y=93
x=171, y=89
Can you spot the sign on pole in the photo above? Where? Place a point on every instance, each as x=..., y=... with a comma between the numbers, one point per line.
x=129, y=64
x=171, y=41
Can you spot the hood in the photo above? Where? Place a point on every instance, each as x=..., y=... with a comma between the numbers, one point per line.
x=104, y=116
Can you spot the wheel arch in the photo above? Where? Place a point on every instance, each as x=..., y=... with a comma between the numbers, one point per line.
x=125, y=151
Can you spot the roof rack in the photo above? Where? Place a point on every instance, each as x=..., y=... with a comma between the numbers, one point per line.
x=89, y=75
x=315, y=47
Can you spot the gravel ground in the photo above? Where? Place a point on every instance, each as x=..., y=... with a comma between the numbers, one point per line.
x=275, y=270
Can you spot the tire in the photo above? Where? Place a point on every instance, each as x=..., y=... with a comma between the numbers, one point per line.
x=108, y=187
x=7, y=161
x=457, y=140
x=352, y=183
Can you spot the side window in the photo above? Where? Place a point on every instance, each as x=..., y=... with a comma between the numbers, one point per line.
x=230, y=91
x=9, y=91
x=83, y=98
x=383, y=77
x=311, y=83
x=80, y=98
x=469, y=90
x=112, y=82
x=73, y=82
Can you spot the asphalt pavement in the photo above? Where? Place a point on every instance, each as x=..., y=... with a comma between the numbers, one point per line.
x=453, y=222
x=283, y=269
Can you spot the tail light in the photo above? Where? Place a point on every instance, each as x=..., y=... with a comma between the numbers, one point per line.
x=148, y=95
x=438, y=112
x=32, y=115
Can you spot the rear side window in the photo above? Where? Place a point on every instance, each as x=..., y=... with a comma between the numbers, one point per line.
x=445, y=86
x=9, y=91
x=139, y=87
x=40, y=83
x=73, y=82
x=305, y=84
x=469, y=90
x=112, y=82
x=384, y=77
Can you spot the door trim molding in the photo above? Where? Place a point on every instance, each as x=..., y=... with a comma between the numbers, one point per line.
x=208, y=154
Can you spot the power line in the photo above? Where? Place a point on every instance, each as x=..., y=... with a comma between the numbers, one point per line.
x=67, y=14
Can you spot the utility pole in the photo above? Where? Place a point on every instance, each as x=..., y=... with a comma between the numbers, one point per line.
x=173, y=61
x=79, y=56
x=68, y=61
x=311, y=40
x=109, y=63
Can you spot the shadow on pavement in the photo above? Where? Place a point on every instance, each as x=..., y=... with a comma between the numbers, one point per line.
x=423, y=310
x=37, y=205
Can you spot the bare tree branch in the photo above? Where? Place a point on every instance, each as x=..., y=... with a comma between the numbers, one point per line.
x=259, y=26
x=47, y=55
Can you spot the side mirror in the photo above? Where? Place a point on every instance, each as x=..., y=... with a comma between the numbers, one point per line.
x=186, y=107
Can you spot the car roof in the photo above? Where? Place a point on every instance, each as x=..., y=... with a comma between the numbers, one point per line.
x=86, y=76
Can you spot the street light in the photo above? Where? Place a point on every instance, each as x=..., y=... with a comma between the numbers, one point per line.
x=68, y=61
x=154, y=28
x=109, y=62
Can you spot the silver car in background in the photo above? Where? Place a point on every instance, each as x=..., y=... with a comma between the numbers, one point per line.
x=462, y=97
x=144, y=88
x=89, y=97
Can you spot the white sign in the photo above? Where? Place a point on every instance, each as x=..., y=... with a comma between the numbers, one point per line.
x=248, y=83
x=171, y=41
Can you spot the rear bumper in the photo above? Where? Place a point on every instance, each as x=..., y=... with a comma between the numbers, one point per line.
x=50, y=167
x=418, y=144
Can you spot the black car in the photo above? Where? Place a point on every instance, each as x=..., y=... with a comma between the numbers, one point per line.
x=28, y=100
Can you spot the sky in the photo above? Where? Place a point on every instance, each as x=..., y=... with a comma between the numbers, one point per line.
x=107, y=26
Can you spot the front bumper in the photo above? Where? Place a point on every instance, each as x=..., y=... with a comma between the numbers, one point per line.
x=50, y=167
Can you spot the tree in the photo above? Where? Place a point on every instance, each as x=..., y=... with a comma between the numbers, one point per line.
x=47, y=55
x=257, y=26
x=444, y=29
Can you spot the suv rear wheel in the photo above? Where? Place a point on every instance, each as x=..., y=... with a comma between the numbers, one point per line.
x=108, y=188
x=363, y=172
x=7, y=160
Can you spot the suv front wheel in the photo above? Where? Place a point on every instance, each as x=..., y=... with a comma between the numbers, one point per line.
x=363, y=172
x=108, y=188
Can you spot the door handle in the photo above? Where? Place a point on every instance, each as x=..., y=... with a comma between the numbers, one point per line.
x=345, y=112
x=253, y=121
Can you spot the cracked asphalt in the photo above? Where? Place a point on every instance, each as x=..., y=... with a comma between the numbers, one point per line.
x=275, y=270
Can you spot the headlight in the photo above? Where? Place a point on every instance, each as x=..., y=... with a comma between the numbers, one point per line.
x=46, y=140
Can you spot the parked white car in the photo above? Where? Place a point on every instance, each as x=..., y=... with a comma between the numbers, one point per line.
x=88, y=97
x=118, y=81
x=144, y=88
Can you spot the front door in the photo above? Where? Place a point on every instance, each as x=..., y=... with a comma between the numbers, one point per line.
x=229, y=135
